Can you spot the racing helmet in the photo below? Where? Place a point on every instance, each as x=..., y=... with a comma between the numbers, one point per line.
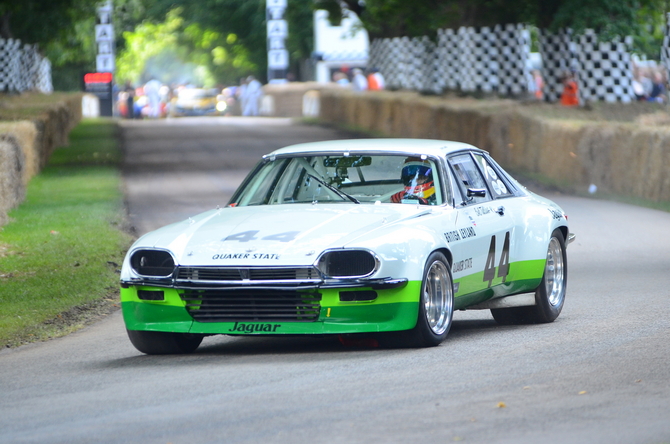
x=417, y=176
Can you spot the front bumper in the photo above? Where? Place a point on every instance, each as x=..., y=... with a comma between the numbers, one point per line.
x=339, y=310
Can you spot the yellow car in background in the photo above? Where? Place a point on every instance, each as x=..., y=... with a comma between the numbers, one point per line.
x=198, y=102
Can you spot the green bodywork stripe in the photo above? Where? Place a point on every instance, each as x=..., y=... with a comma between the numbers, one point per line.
x=523, y=277
x=392, y=310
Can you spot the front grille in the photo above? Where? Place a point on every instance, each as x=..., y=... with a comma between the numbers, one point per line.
x=252, y=305
x=228, y=274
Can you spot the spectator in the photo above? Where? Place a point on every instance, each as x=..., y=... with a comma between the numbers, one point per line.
x=538, y=84
x=152, y=91
x=638, y=87
x=658, y=90
x=375, y=80
x=340, y=78
x=241, y=94
x=253, y=93
x=130, y=100
x=360, y=83
x=569, y=96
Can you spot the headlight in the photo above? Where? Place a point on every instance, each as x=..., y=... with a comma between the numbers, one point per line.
x=221, y=106
x=156, y=263
x=347, y=263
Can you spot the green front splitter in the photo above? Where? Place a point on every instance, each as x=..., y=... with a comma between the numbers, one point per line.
x=332, y=320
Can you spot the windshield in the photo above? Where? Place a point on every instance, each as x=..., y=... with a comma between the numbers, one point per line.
x=353, y=179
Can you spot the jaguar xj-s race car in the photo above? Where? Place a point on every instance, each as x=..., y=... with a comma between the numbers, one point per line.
x=385, y=237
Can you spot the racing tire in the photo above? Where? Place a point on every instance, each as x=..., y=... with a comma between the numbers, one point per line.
x=436, y=308
x=549, y=296
x=164, y=343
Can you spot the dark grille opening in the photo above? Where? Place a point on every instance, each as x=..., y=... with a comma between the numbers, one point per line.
x=150, y=295
x=252, y=305
x=348, y=263
x=238, y=274
x=356, y=296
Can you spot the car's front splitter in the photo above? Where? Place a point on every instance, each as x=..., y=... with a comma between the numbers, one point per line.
x=392, y=310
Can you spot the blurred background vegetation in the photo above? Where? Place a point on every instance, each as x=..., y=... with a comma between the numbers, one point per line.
x=209, y=42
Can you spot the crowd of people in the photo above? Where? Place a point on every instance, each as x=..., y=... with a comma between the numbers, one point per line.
x=649, y=84
x=154, y=99
x=359, y=80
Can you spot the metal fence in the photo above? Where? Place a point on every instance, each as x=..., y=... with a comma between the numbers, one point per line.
x=22, y=68
x=495, y=60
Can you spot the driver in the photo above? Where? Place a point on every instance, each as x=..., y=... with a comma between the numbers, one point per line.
x=417, y=176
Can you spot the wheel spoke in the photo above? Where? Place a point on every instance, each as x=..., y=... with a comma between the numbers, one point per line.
x=554, y=273
x=437, y=298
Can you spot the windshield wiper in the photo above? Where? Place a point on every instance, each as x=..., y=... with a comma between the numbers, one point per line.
x=333, y=189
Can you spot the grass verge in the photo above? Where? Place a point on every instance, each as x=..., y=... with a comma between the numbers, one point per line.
x=61, y=251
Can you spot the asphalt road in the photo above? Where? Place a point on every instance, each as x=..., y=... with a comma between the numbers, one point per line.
x=599, y=374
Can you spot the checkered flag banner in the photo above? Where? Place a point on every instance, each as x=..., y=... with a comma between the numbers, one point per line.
x=22, y=68
x=602, y=69
x=495, y=60
x=486, y=60
x=665, y=49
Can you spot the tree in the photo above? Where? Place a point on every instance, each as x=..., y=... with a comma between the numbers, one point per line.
x=246, y=20
x=643, y=19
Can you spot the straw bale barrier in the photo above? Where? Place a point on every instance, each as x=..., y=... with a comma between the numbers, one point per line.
x=26, y=145
x=630, y=159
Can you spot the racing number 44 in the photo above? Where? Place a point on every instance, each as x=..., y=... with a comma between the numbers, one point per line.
x=503, y=265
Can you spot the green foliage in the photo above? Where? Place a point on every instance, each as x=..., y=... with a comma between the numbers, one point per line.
x=176, y=52
x=64, y=243
x=218, y=41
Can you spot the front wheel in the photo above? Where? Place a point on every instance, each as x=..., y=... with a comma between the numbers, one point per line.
x=164, y=343
x=436, y=307
x=549, y=296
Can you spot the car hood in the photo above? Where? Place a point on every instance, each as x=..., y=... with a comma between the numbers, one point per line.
x=273, y=235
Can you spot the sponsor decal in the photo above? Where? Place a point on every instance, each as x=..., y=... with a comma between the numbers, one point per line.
x=241, y=327
x=557, y=215
x=463, y=265
x=467, y=232
x=480, y=211
x=248, y=236
x=452, y=236
x=258, y=256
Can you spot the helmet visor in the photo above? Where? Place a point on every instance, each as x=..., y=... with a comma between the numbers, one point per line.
x=413, y=174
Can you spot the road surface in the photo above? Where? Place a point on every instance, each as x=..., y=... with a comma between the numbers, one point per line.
x=599, y=374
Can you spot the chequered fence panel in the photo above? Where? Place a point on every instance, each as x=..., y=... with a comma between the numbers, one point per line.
x=10, y=67
x=22, y=68
x=665, y=49
x=496, y=60
x=43, y=83
x=602, y=69
x=448, y=64
x=558, y=58
x=605, y=73
x=467, y=59
x=513, y=45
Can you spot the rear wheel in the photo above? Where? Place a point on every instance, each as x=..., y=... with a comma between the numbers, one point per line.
x=549, y=296
x=164, y=343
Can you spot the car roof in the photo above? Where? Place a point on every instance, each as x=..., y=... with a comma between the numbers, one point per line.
x=429, y=147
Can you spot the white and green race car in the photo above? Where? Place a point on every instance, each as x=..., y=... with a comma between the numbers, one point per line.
x=384, y=237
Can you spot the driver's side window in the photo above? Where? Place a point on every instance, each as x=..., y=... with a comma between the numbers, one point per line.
x=466, y=171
